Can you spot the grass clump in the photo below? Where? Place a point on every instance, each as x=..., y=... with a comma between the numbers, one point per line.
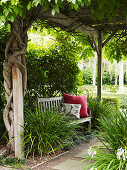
x=1, y=160
x=45, y=132
x=112, y=155
x=102, y=107
x=11, y=161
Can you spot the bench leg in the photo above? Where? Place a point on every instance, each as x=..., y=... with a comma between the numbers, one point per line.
x=89, y=126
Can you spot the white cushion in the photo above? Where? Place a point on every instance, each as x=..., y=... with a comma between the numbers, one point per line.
x=71, y=110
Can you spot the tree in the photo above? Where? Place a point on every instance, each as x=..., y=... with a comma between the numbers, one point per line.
x=116, y=49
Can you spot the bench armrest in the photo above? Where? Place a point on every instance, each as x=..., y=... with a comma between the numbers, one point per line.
x=90, y=110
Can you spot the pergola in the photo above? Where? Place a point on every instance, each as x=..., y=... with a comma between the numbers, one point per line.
x=14, y=66
x=82, y=21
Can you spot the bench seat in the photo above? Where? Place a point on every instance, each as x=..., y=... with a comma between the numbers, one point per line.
x=55, y=102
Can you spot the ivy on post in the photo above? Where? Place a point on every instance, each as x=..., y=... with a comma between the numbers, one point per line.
x=15, y=85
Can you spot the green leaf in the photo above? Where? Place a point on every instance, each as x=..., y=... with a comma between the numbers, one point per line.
x=14, y=2
x=76, y=6
x=53, y=12
x=11, y=18
x=73, y=1
x=6, y=11
x=16, y=10
x=20, y=12
x=57, y=9
x=4, y=1
x=2, y=18
x=29, y=5
x=36, y=2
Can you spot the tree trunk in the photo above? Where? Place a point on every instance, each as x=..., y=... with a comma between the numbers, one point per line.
x=15, y=85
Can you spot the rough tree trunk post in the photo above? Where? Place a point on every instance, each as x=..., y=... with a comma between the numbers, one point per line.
x=18, y=110
x=99, y=86
x=15, y=79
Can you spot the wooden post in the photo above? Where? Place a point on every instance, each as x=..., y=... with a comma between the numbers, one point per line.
x=99, y=86
x=94, y=68
x=18, y=111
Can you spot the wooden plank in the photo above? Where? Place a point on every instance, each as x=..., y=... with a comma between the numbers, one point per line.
x=49, y=99
x=81, y=120
x=18, y=111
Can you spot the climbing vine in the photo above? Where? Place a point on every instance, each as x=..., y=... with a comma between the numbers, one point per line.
x=15, y=56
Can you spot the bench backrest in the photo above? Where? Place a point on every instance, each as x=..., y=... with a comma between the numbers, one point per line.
x=50, y=103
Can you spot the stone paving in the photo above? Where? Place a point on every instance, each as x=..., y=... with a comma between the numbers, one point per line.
x=72, y=160
x=70, y=165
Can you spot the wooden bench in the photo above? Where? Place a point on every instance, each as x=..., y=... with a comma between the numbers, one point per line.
x=55, y=102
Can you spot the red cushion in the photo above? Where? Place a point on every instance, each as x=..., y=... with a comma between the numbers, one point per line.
x=77, y=100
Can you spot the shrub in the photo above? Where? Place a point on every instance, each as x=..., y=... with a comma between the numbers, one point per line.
x=106, y=77
x=114, y=101
x=46, y=132
x=104, y=159
x=114, y=129
x=50, y=73
x=113, y=135
x=123, y=100
x=100, y=108
x=87, y=76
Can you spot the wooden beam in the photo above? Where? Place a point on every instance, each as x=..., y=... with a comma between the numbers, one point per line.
x=69, y=23
x=109, y=38
x=99, y=85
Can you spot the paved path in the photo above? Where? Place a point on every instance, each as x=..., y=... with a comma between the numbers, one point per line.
x=69, y=161
x=72, y=160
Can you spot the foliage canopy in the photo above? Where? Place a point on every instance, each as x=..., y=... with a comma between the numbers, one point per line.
x=12, y=8
x=101, y=9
